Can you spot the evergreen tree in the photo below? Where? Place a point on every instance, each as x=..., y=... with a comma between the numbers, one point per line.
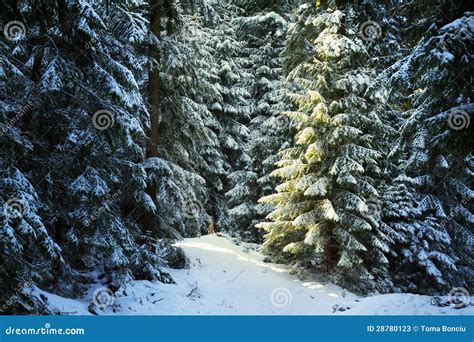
x=184, y=133
x=330, y=178
x=230, y=108
x=265, y=33
x=433, y=153
x=75, y=149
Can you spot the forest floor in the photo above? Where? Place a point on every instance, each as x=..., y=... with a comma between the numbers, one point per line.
x=229, y=279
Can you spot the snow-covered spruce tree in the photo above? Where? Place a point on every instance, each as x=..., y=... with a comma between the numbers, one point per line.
x=108, y=185
x=29, y=253
x=209, y=12
x=216, y=163
x=204, y=109
x=329, y=178
x=78, y=67
x=230, y=108
x=252, y=7
x=264, y=34
x=180, y=190
x=430, y=202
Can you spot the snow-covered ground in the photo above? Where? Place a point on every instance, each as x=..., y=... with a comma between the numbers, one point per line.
x=226, y=279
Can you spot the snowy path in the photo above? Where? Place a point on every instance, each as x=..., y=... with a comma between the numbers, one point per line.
x=233, y=280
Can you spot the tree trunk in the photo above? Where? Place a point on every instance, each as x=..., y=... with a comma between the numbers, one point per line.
x=154, y=81
x=330, y=247
x=149, y=221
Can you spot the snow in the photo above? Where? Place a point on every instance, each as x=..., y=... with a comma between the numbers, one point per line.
x=61, y=305
x=229, y=279
x=444, y=56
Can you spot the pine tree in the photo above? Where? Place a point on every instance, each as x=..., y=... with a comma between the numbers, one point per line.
x=433, y=152
x=330, y=178
x=231, y=109
x=265, y=33
x=76, y=146
x=181, y=191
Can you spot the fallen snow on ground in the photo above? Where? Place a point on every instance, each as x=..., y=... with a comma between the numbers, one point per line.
x=227, y=279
